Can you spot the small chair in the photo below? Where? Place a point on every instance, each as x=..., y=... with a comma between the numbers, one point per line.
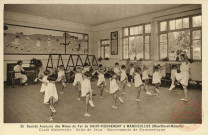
x=15, y=81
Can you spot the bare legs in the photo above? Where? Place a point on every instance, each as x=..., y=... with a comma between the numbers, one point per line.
x=115, y=96
x=138, y=94
x=52, y=108
x=102, y=87
x=124, y=87
x=79, y=90
x=87, y=104
x=184, y=89
x=185, y=93
x=139, y=91
x=156, y=89
x=63, y=84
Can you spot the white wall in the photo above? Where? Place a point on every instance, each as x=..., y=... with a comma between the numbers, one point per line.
x=103, y=32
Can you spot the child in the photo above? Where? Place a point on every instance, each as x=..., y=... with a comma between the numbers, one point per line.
x=160, y=68
x=156, y=79
x=138, y=83
x=86, y=90
x=123, y=79
x=101, y=79
x=44, y=81
x=40, y=74
x=114, y=89
x=51, y=95
x=131, y=74
x=145, y=76
x=61, y=78
x=117, y=71
x=173, y=71
x=77, y=80
x=87, y=69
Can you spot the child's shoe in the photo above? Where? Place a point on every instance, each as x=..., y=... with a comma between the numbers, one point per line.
x=87, y=115
x=120, y=99
x=91, y=103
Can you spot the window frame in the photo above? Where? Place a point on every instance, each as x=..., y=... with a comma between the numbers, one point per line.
x=104, y=45
x=191, y=29
x=143, y=35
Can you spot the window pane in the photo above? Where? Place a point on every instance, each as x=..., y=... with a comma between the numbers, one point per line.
x=185, y=22
x=172, y=25
x=134, y=30
x=140, y=29
x=125, y=51
x=163, y=50
x=163, y=26
x=163, y=38
x=136, y=47
x=104, y=42
x=102, y=52
x=148, y=28
x=197, y=34
x=126, y=31
x=196, y=49
x=196, y=21
x=139, y=47
x=132, y=46
x=147, y=53
x=163, y=46
x=178, y=41
x=107, y=51
x=125, y=41
x=147, y=39
x=179, y=24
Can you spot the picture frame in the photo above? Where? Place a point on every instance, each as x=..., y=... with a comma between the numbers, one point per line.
x=114, y=43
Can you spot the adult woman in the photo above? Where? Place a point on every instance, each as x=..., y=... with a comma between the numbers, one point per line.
x=183, y=76
x=18, y=69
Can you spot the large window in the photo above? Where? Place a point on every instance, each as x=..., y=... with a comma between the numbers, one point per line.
x=136, y=42
x=104, y=48
x=181, y=34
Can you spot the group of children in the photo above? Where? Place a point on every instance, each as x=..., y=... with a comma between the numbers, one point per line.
x=82, y=80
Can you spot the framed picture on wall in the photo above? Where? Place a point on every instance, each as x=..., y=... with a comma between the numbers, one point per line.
x=114, y=43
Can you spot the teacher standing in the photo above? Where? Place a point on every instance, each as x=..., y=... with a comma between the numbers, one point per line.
x=183, y=76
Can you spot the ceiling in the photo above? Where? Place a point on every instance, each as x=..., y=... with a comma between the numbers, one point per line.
x=89, y=14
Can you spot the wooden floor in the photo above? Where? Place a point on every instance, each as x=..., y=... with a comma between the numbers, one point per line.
x=25, y=105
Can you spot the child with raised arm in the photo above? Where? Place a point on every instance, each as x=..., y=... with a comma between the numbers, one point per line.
x=51, y=95
x=131, y=73
x=117, y=71
x=61, y=78
x=114, y=89
x=101, y=79
x=145, y=75
x=156, y=80
x=77, y=80
x=44, y=81
x=123, y=79
x=86, y=90
x=138, y=83
x=173, y=72
x=87, y=69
